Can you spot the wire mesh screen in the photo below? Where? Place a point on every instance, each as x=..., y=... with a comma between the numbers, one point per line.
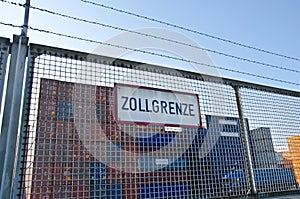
x=103, y=128
x=274, y=138
x=4, y=52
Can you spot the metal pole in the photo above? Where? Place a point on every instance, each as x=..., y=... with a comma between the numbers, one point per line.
x=26, y=19
x=18, y=190
x=12, y=109
x=246, y=139
x=11, y=115
x=3, y=66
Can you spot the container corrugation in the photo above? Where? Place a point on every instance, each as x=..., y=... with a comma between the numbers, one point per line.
x=131, y=191
x=103, y=174
x=293, y=155
x=165, y=177
x=65, y=110
x=112, y=191
x=154, y=140
x=42, y=182
x=97, y=173
x=162, y=163
x=64, y=91
x=273, y=176
x=60, y=180
x=114, y=176
x=164, y=191
x=268, y=177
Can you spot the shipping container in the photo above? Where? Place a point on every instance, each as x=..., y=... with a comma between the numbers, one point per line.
x=164, y=191
x=261, y=148
x=228, y=152
x=103, y=174
x=154, y=140
x=106, y=182
x=147, y=164
x=131, y=191
x=266, y=180
x=163, y=177
x=294, y=155
x=67, y=166
x=111, y=191
x=225, y=156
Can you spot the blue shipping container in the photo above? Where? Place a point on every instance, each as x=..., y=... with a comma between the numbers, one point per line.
x=162, y=163
x=114, y=153
x=151, y=140
x=113, y=191
x=98, y=186
x=265, y=179
x=274, y=176
x=65, y=110
x=164, y=191
x=97, y=173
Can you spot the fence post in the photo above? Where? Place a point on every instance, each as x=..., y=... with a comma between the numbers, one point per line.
x=18, y=186
x=3, y=65
x=11, y=116
x=245, y=139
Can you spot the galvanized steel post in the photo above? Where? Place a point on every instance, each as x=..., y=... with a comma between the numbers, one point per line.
x=12, y=109
x=3, y=66
x=26, y=19
x=24, y=129
x=11, y=115
x=245, y=139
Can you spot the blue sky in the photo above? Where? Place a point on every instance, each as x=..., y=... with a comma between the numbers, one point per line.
x=270, y=24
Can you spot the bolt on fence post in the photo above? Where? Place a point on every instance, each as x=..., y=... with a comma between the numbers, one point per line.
x=245, y=139
x=11, y=115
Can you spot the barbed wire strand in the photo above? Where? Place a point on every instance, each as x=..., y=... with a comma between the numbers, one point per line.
x=160, y=55
x=165, y=39
x=156, y=37
x=150, y=53
x=190, y=30
x=11, y=25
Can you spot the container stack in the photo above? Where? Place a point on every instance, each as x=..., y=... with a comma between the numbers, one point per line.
x=81, y=151
x=294, y=152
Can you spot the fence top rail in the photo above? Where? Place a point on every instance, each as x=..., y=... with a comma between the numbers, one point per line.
x=77, y=55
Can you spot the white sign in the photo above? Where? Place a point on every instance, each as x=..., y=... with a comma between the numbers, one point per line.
x=156, y=106
x=161, y=161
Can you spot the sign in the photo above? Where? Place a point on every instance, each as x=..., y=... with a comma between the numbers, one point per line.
x=156, y=106
x=161, y=161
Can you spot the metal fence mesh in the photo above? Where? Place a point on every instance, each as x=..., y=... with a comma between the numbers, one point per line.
x=274, y=131
x=75, y=147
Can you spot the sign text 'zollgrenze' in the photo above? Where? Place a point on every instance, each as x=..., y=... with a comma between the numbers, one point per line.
x=156, y=106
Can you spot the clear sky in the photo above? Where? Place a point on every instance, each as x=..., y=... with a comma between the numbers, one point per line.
x=270, y=24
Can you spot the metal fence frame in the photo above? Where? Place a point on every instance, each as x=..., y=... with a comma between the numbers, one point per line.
x=12, y=113
x=4, y=52
x=235, y=84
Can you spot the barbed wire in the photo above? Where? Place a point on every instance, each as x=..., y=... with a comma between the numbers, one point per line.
x=137, y=50
x=150, y=53
x=156, y=37
x=13, y=3
x=160, y=55
x=165, y=39
x=190, y=30
x=11, y=25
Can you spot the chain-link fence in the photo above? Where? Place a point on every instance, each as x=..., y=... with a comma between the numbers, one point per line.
x=98, y=127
